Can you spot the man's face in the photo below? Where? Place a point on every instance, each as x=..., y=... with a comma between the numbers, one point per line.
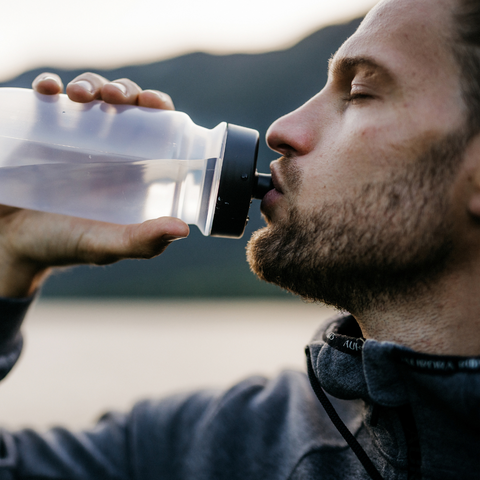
x=361, y=208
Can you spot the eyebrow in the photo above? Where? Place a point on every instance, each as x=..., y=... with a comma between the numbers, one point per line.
x=345, y=65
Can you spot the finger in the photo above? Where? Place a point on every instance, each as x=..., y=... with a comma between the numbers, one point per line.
x=48, y=84
x=121, y=91
x=155, y=99
x=86, y=87
x=108, y=243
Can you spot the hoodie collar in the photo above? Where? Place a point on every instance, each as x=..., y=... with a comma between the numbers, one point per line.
x=383, y=373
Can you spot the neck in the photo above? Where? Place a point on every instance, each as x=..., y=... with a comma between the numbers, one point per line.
x=443, y=321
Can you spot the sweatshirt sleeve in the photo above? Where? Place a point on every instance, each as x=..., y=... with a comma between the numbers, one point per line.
x=150, y=442
x=99, y=453
x=12, y=313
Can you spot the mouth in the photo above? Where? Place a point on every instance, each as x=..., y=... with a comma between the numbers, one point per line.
x=275, y=181
x=273, y=195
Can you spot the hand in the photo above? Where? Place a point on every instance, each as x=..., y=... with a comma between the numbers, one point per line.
x=90, y=86
x=31, y=242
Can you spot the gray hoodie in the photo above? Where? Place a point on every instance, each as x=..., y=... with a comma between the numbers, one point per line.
x=416, y=416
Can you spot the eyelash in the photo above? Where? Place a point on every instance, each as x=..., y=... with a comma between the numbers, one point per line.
x=351, y=97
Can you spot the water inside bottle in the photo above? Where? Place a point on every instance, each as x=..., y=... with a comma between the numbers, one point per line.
x=99, y=186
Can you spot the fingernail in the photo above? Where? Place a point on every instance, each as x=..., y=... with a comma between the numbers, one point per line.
x=49, y=77
x=161, y=96
x=172, y=238
x=86, y=85
x=120, y=86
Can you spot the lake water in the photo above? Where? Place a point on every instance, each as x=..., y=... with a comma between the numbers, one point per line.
x=83, y=358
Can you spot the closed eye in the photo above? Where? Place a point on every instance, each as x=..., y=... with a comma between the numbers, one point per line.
x=355, y=98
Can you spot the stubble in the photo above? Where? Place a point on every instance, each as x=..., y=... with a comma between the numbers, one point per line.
x=388, y=243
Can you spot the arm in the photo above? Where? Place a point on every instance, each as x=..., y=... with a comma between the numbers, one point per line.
x=32, y=242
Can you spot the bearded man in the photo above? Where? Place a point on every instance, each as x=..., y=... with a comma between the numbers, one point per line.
x=375, y=210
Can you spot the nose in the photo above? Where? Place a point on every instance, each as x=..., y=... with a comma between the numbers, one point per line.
x=295, y=133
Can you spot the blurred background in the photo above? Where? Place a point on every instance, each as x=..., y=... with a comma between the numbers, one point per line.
x=243, y=62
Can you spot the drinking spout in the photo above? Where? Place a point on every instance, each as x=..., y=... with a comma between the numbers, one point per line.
x=263, y=184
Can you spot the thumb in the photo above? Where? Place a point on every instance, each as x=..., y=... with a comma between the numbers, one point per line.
x=108, y=243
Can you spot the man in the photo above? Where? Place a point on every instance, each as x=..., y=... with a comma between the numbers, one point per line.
x=376, y=210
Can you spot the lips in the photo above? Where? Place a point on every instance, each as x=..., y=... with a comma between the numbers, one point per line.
x=275, y=180
x=273, y=196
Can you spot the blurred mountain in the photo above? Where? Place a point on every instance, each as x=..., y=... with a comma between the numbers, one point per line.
x=248, y=90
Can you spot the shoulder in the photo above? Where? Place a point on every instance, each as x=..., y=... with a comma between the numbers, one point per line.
x=255, y=399
x=250, y=425
x=253, y=396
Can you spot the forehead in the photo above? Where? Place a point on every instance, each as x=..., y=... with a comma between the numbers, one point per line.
x=409, y=37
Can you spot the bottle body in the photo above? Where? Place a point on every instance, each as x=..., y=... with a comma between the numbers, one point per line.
x=114, y=163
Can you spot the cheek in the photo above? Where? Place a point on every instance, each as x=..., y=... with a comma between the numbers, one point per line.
x=351, y=159
x=357, y=152
x=386, y=142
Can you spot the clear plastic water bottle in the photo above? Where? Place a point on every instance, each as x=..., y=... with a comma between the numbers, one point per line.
x=125, y=164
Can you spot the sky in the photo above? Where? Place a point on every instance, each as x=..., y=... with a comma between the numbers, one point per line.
x=111, y=33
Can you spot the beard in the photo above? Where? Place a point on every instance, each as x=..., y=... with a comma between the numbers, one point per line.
x=388, y=243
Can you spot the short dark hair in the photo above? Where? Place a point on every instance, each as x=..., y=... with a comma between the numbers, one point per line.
x=467, y=53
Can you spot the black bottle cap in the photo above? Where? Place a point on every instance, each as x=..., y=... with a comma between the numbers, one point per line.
x=239, y=182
